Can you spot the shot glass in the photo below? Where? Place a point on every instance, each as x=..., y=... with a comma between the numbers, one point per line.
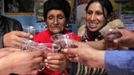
x=52, y=47
x=27, y=44
x=30, y=29
x=63, y=40
x=32, y=46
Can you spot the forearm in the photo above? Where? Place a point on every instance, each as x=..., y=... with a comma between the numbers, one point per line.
x=97, y=59
x=97, y=44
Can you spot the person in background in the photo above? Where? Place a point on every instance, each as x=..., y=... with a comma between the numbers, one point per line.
x=98, y=14
x=11, y=34
x=56, y=16
x=115, y=62
x=13, y=60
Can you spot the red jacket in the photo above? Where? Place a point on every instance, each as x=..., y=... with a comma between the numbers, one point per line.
x=45, y=37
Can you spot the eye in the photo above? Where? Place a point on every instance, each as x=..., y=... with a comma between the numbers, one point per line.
x=89, y=12
x=99, y=13
x=61, y=17
x=50, y=17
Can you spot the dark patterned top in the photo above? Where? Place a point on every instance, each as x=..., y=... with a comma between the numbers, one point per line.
x=79, y=69
x=6, y=25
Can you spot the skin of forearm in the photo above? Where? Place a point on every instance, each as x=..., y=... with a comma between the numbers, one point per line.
x=97, y=44
x=97, y=59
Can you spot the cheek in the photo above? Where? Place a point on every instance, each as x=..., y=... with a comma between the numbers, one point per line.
x=62, y=24
x=101, y=21
x=48, y=25
x=88, y=17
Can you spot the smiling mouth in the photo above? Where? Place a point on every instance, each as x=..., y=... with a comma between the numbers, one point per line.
x=92, y=25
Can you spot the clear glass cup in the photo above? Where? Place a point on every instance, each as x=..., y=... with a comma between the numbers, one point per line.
x=37, y=46
x=27, y=44
x=63, y=40
x=30, y=29
x=52, y=47
x=30, y=45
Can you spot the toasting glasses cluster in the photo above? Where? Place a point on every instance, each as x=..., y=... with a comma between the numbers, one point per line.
x=60, y=41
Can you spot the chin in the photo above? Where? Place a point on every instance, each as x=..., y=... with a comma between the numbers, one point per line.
x=93, y=30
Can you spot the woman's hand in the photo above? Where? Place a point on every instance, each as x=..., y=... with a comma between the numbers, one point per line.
x=55, y=61
x=15, y=38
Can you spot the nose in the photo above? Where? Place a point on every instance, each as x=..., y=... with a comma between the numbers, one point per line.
x=93, y=17
x=55, y=21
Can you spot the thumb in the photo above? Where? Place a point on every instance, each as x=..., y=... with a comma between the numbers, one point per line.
x=118, y=40
x=70, y=51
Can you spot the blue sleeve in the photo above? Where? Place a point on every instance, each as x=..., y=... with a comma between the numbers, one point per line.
x=119, y=62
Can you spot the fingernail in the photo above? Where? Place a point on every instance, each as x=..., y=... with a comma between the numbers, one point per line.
x=115, y=41
x=46, y=60
x=48, y=57
x=31, y=36
x=65, y=50
x=46, y=64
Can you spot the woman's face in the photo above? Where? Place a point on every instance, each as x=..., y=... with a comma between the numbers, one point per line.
x=94, y=17
x=55, y=21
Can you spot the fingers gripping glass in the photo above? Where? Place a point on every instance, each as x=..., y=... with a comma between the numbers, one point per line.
x=46, y=47
x=65, y=41
x=109, y=39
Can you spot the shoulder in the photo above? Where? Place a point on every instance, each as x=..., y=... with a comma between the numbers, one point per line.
x=116, y=23
x=8, y=19
x=13, y=20
x=11, y=23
